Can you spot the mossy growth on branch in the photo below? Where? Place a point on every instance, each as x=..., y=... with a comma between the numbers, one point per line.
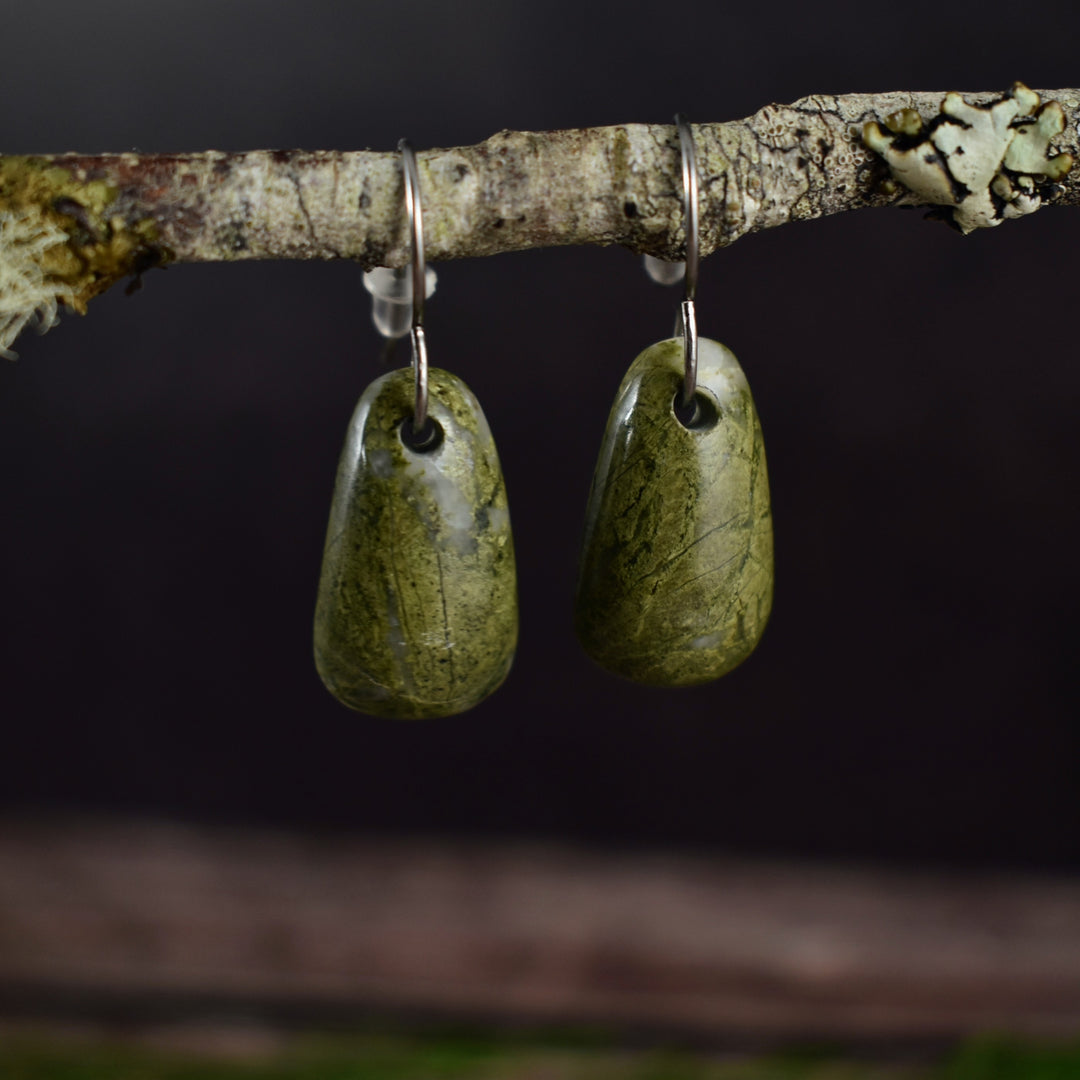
x=981, y=164
x=61, y=242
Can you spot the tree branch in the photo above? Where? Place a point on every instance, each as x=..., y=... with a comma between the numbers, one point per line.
x=123, y=213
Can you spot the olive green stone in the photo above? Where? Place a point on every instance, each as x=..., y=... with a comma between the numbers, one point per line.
x=417, y=607
x=677, y=571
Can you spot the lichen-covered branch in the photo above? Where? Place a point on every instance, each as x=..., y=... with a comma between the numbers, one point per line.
x=71, y=225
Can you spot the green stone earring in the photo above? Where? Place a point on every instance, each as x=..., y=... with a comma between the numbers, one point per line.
x=676, y=577
x=417, y=605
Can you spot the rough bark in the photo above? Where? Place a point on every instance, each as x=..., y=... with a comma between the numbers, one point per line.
x=518, y=190
x=71, y=225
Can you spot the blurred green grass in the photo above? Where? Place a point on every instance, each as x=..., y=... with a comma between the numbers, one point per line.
x=24, y=1057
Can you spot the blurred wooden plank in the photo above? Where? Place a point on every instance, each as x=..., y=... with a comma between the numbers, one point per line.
x=707, y=946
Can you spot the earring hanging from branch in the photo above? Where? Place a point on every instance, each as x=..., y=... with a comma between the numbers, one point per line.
x=416, y=613
x=676, y=577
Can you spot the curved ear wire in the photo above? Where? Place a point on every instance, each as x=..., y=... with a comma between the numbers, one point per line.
x=411, y=177
x=393, y=308
x=688, y=316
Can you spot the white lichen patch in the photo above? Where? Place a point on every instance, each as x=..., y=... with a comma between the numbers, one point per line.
x=26, y=293
x=985, y=163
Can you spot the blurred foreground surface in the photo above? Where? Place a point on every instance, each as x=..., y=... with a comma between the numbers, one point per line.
x=70, y=1057
x=146, y=923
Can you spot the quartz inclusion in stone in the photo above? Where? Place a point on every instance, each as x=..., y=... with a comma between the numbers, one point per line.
x=417, y=607
x=676, y=578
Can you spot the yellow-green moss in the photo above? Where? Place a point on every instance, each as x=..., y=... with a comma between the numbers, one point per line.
x=102, y=246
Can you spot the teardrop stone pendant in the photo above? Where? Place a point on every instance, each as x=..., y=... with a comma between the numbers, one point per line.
x=417, y=606
x=676, y=577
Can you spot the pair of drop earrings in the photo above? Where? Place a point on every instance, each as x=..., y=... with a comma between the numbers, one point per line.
x=417, y=605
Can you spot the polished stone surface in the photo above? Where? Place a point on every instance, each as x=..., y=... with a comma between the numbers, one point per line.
x=676, y=575
x=417, y=606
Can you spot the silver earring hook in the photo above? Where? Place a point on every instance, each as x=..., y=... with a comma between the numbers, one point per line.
x=416, y=233
x=687, y=314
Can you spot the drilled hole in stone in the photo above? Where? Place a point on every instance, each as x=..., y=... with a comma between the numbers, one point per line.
x=426, y=440
x=699, y=415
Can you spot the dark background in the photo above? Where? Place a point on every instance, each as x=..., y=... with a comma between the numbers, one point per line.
x=168, y=461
